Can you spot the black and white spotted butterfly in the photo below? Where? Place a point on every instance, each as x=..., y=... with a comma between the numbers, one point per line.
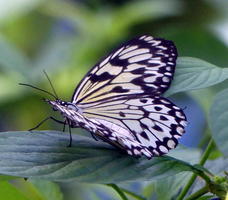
x=119, y=100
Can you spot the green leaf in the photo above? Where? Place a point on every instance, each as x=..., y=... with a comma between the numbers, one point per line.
x=190, y=155
x=6, y=178
x=27, y=189
x=207, y=197
x=45, y=155
x=168, y=187
x=193, y=73
x=218, y=119
x=9, y=192
x=48, y=189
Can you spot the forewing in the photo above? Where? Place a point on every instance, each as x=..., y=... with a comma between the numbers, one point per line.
x=144, y=65
x=142, y=125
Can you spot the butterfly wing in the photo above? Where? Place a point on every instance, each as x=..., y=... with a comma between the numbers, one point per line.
x=144, y=65
x=120, y=97
x=140, y=125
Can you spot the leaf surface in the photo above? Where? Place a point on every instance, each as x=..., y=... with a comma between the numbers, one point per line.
x=218, y=121
x=194, y=73
x=45, y=155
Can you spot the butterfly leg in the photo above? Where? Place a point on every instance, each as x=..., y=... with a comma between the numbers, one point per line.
x=64, y=126
x=47, y=118
x=68, y=122
x=94, y=137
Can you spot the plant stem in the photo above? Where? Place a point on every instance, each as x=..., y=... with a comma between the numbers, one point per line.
x=118, y=190
x=187, y=187
x=193, y=177
x=206, y=152
x=199, y=193
x=133, y=194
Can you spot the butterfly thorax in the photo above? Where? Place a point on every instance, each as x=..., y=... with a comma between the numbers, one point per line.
x=68, y=110
x=62, y=105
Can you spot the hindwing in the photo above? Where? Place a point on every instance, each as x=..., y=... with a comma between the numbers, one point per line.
x=152, y=122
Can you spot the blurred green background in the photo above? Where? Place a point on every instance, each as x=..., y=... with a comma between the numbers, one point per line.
x=66, y=38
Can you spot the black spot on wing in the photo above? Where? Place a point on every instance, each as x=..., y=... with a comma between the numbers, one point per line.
x=140, y=82
x=138, y=71
x=122, y=114
x=144, y=135
x=102, y=77
x=143, y=100
x=119, y=89
x=163, y=118
x=158, y=128
x=144, y=126
x=173, y=130
x=146, y=113
x=118, y=62
x=157, y=108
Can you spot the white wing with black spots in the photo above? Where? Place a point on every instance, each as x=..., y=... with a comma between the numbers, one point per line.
x=144, y=65
x=119, y=100
x=154, y=122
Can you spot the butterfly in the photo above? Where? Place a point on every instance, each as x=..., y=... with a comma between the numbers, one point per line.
x=119, y=100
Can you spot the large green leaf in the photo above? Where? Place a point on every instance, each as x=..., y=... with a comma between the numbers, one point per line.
x=9, y=192
x=218, y=121
x=44, y=155
x=193, y=73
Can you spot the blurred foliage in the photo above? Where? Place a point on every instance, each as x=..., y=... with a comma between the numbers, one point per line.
x=67, y=37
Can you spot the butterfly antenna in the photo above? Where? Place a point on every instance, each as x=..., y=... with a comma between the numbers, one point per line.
x=49, y=80
x=34, y=87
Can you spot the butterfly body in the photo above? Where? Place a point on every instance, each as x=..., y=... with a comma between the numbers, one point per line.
x=119, y=100
x=103, y=129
